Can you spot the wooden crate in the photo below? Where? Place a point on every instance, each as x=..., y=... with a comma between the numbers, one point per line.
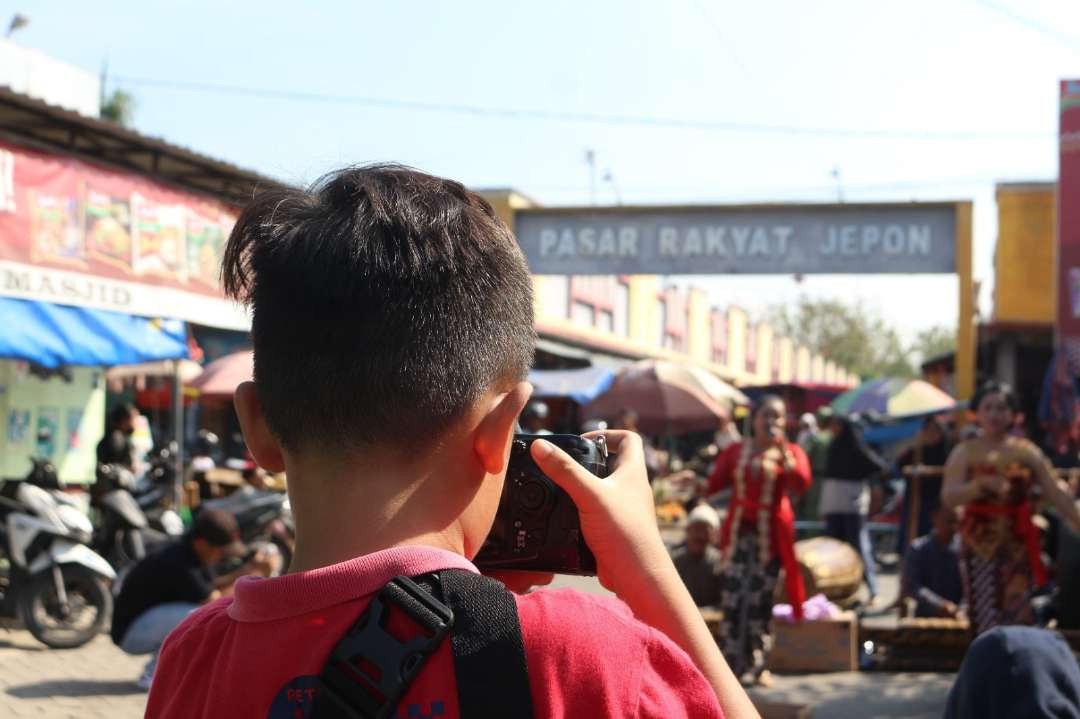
x=827, y=645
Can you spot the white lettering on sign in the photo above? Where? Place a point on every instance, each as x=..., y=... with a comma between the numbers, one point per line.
x=66, y=289
x=63, y=287
x=669, y=241
x=861, y=240
x=589, y=242
x=724, y=241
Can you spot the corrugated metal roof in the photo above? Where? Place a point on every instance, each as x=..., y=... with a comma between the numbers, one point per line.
x=27, y=121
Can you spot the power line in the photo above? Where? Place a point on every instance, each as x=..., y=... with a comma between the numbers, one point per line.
x=722, y=36
x=655, y=122
x=869, y=187
x=1068, y=41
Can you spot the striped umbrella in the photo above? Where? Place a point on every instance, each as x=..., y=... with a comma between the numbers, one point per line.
x=894, y=398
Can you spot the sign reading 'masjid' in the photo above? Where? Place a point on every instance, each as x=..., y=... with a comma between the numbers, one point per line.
x=75, y=233
x=782, y=239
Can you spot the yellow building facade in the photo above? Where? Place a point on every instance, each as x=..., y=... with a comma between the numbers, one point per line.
x=641, y=316
x=1024, y=277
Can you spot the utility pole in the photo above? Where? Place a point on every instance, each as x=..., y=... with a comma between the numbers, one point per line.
x=839, y=184
x=590, y=160
x=609, y=177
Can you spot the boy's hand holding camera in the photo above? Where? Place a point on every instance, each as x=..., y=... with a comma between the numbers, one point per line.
x=618, y=520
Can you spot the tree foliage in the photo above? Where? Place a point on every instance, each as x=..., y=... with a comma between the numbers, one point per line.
x=850, y=335
x=119, y=107
x=934, y=342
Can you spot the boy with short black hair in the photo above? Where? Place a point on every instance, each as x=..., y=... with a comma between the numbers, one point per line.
x=392, y=329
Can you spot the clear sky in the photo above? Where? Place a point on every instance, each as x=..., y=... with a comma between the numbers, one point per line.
x=719, y=101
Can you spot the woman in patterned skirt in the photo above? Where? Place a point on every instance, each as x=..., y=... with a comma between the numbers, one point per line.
x=757, y=537
x=996, y=479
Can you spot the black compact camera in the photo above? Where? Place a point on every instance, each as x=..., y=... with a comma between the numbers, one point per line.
x=537, y=527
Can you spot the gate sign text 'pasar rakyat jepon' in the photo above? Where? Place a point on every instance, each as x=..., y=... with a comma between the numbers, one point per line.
x=804, y=239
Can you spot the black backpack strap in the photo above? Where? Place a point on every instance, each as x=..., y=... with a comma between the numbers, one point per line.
x=370, y=670
x=489, y=654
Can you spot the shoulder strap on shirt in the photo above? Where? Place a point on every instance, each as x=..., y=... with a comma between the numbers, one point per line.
x=370, y=670
x=489, y=654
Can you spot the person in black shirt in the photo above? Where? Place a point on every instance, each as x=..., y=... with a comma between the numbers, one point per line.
x=167, y=585
x=931, y=578
x=927, y=457
x=116, y=447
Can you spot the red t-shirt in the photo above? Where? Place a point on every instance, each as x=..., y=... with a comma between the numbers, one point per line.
x=258, y=654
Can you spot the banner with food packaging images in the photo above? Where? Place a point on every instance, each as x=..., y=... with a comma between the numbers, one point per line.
x=76, y=233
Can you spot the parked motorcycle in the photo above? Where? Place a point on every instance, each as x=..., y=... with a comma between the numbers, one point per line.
x=54, y=583
x=123, y=534
x=156, y=492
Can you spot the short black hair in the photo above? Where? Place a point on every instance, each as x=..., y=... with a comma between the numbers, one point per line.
x=121, y=412
x=384, y=301
x=988, y=388
x=765, y=399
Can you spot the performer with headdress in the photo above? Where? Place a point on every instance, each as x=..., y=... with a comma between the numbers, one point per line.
x=996, y=479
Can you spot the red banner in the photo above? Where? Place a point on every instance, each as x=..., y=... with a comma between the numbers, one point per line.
x=76, y=233
x=1068, y=213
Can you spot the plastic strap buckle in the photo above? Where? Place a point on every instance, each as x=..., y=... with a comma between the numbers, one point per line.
x=370, y=670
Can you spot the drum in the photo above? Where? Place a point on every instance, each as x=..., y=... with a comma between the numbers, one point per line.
x=830, y=567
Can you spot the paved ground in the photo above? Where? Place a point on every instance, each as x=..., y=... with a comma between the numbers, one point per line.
x=97, y=681
x=94, y=681
x=862, y=695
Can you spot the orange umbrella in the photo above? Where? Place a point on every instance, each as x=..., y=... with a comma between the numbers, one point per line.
x=668, y=397
x=220, y=377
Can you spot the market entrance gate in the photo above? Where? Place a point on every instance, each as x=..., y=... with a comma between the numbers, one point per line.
x=791, y=239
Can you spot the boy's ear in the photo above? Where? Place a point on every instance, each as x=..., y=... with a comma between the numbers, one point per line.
x=260, y=440
x=496, y=428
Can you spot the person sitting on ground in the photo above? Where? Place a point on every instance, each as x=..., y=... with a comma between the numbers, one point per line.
x=392, y=327
x=931, y=580
x=170, y=583
x=1016, y=673
x=534, y=418
x=697, y=559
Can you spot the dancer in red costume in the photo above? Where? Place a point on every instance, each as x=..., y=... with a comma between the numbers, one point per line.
x=757, y=537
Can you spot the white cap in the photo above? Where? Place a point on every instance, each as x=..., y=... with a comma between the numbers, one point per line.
x=705, y=514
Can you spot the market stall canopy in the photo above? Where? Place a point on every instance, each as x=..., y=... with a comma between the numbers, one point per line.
x=894, y=398
x=668, y=397
x=189, y=370
x=580, y=385
x=221, y=377
x=56, y=335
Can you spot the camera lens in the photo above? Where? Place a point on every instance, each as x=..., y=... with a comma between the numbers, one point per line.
x=533, y=495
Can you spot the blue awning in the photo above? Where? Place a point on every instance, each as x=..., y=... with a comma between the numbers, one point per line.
x=580, y=385
x=54, y=335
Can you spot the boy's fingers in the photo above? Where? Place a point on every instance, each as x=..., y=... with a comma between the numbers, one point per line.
x=562, y=469
x=627, y=447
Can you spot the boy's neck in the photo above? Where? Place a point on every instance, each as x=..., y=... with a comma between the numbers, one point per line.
x=358, y=508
